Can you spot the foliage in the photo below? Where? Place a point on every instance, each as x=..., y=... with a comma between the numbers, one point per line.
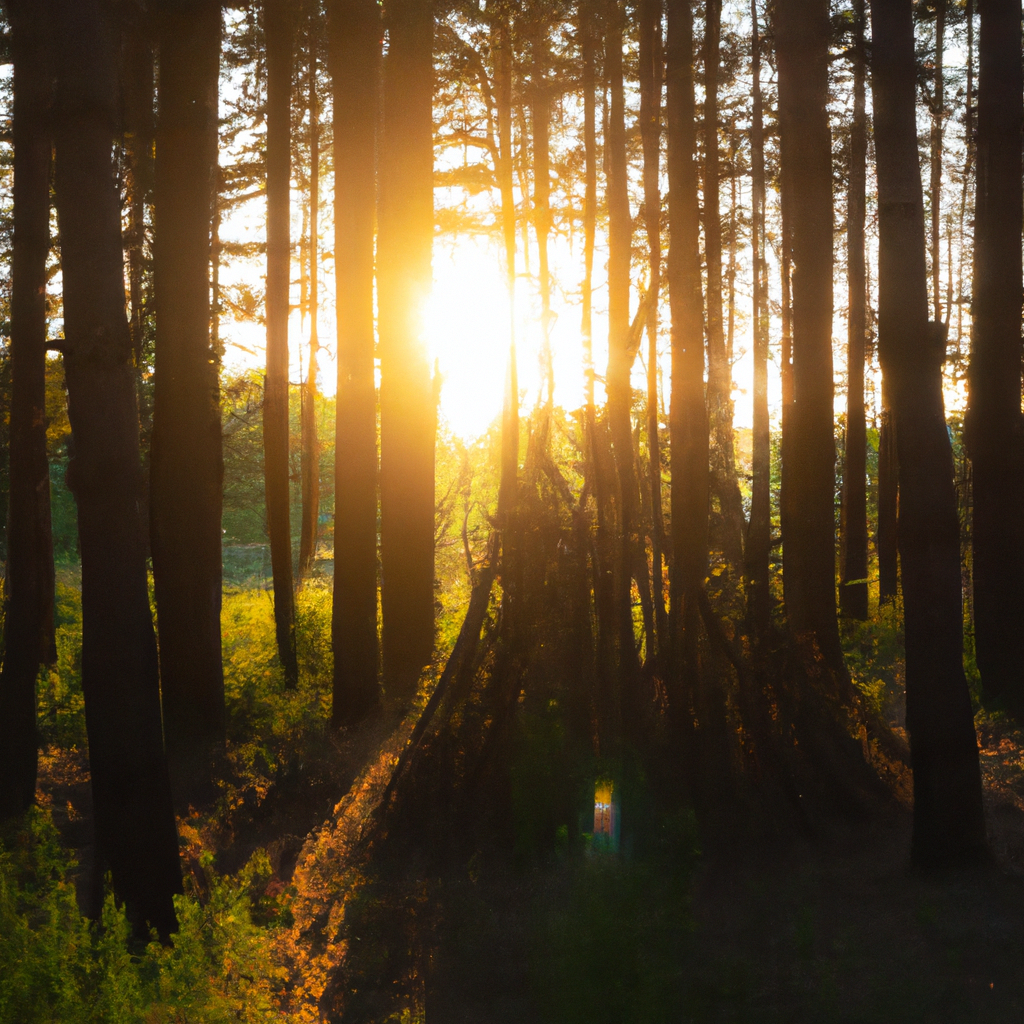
x=57, y=966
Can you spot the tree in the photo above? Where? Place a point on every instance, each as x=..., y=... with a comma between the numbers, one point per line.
x=355, y=57
x=688, y=420
x=310, y=441
x=949, y=825
x=759, y=532
x=802, y=38
x=651, y=73
x=135, y=828
x=995, y=432
x=28, y=613
x=724, y=483
x=279, y=31
x=407, y=401
x=186, y=464
x=853, y=584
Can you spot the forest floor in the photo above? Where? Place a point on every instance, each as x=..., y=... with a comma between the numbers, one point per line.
x=833, y=927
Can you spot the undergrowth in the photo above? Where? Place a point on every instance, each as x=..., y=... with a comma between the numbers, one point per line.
x=58, y=966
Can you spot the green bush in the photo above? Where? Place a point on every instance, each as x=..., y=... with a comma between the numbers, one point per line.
x=57, y=966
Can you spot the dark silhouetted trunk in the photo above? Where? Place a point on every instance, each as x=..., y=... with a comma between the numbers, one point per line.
x=588, y=32
x=935, y=188
x=888, y=502
x=759, y=540
x=310, y=441
x=995, y=433
x=949, y=826
x=354, y=28
x=688, y=421
x=622, y=349
x=540, y=117
x=724, y=483
x=138, y=79
x=135, y=828
x=651, y=73
x=186, y=465
x=853, y=583
x=28, y=613
x=407, y=409
x=279, y=30
x=802, y=36
x=508, y=488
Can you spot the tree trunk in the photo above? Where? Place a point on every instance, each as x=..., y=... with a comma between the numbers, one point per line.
x=759, y=539
x=138, y=79
x=28, y=615
x=888, y=502
x=279, y=28
x=310, y=441
x=802, y=36
x=949, y=825
x=540, y=116
x=621, y=354
x=853, y=585
x=407, y=404
x=355, y=30
x=995, y=432
x=935, y=189
x=588, y=31
x=651, y=73
x=724, y=483
x=186, y=465
x=688, y=421
x=135, y=826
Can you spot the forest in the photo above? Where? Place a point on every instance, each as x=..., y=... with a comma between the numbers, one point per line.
x=511, y=511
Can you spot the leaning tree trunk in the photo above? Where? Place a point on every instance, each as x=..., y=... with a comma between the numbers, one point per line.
x=688, y=420
x=186, y=464
x=355, y=65
x=724, y=483
x=135, y=828
x=853, y=584
x=802, y=38
x=407, y=403
x=310, y=441
x=28, y=613
x=759, y=532
x=995, y=433
x=279, y=36
x=949, y=826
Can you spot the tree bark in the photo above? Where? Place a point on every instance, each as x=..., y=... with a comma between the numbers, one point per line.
x=621, y=353
x=355, y=30
x=935, y=188
x=888, y=502
x=724, y=483
x=540, y=118
x=651, y=74
x=688, y=419
x=949, y=825
x=853, y=583
x=135, y=826
x=310, y=441
x=759, y=541
x=802, y=37
x=995, y=432
x=28, y=613
x=186, y=464
x=407, y=404
x=279, y=30
x=588, y=31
